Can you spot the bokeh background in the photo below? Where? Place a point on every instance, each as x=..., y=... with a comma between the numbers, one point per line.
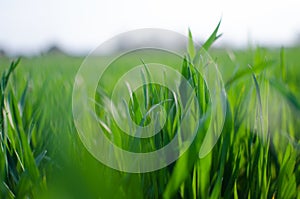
x=29, y=27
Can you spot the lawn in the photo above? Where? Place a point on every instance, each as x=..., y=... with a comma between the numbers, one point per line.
x=256, y=156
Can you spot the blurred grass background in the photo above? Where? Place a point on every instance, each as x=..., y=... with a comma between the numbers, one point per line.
x=42, y=156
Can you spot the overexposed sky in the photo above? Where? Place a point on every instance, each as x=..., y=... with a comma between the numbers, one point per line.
x=80, y=25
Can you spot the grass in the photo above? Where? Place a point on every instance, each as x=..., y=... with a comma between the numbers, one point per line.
x=257, y=155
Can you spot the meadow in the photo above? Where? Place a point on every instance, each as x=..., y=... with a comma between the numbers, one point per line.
x=256, y=156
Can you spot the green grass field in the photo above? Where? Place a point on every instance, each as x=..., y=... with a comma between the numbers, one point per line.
x=257, y=155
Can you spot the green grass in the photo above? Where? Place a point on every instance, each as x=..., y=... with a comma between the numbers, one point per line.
x=257, y=155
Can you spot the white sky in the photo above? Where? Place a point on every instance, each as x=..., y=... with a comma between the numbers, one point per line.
x=30, y=26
